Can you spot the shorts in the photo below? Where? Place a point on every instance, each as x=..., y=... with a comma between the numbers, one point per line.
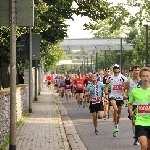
x=118, y=102
x=79, y=91
x=49, y=83
x=142, y=131
x=96, y=107
x=133, y=109
x=68, y=89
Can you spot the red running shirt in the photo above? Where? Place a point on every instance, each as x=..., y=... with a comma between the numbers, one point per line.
x=79, y=83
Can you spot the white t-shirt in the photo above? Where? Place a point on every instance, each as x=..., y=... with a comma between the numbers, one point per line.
x=116, y=86
x=132, y=85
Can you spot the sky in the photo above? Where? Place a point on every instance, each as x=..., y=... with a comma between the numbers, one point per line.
x=76, y=27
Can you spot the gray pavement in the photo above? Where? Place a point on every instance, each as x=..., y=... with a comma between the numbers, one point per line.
x=42, y=129
x=82, y=121
x=57, y=125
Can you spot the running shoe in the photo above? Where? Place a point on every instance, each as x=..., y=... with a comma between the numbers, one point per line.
x=105, y=117
x=96, y=131
x=136, y=142
x=116, y=130
x=80, y=102
x=87, y=104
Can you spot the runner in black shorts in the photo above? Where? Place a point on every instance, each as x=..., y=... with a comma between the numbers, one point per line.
x=95, y=90
x=116, y=82
x=79, y=84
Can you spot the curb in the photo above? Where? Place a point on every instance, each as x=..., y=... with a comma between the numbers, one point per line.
x=74, y=140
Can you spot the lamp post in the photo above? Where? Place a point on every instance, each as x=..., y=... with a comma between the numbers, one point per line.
x=96, y=64
x=87, y=65
x=105, y=58
x=146, y=42
x=146, y=53
x=121, y=48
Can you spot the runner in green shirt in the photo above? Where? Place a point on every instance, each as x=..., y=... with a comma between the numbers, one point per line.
x=141, y=96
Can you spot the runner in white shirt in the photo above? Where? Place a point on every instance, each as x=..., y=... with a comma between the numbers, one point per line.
x=129, y=85
x=115, y=97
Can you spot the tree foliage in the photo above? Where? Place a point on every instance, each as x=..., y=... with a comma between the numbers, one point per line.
x=128, y=24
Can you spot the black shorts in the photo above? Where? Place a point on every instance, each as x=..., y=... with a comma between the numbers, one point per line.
x=79, y=91
x=56, y=85
x=96, y=107
x=49, y=83
x=133, y=109
x=118, y=102
x=142, y=131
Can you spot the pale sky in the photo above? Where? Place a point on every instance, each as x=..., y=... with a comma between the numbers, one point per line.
x=76, y=27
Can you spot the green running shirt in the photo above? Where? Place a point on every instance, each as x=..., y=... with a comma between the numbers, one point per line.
x=142, y=98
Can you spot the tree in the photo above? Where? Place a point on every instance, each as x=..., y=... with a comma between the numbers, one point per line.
x=49, y=23
x=52, y=56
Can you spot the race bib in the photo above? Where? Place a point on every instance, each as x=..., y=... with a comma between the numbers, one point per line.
x=117, y=87
x=142, y=109
x=67, y=86
x=96, y=100
x=80, y=86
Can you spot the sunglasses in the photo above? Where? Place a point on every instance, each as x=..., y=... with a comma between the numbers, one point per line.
x=116, y=68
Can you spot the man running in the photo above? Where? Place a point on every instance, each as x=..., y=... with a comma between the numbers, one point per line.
x=129, y=85
x=95, y=89
x=116, y=82
x=79, y=84
x=106, y=102
x=61, y=86
x=141, y=96
x=67, y=88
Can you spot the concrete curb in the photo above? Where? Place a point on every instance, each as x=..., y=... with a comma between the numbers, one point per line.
x=74, y=140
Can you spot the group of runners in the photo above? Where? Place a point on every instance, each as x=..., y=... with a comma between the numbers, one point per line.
x=106, y=92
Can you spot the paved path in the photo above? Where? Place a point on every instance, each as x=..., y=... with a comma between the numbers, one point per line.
x=82, y=120
x=57, y=125
x=43, y=129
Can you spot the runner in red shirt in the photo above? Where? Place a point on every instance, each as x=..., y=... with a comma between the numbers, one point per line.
x=79, y=84
x=49, y=82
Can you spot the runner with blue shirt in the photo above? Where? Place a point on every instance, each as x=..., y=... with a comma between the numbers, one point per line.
x=95, y=90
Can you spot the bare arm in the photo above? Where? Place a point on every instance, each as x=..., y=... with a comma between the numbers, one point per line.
x=106, y=91
x=130, y=109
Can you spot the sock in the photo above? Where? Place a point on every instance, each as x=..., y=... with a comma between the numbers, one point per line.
x=116, y=125
x=133, y=128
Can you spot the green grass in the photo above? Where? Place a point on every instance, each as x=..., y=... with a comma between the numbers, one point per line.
x=18, y=123
x=5, y=143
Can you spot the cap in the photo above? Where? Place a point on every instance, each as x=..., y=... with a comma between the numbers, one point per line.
x=116, y=66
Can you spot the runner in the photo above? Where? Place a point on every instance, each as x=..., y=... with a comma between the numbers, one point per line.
x=140, y=82
x=62, y=86
x=129, y=85
x=49, y=82
x=95, y=90
x=116, y=81
x=79, y=84
x=141, y=96
x=86, y=96
x=106, y=102
x=67, y=88
x=130, y=73
x=74, y=88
